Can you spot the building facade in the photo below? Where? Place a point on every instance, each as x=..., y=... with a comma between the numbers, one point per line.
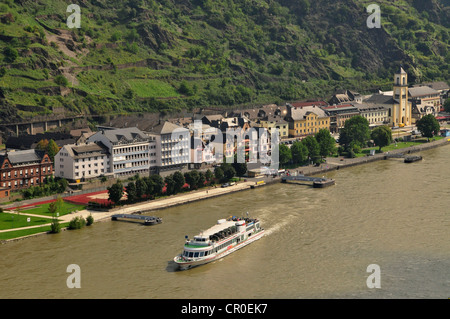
x=172, y=147
x=306, y=120
x=130, y=150
x=339, y=114
x=276, y=122
x=23, y=169
x=425, y=100
x=375, y=114
x=78, y=162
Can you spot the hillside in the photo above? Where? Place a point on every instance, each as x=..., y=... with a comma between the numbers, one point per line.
x=172, y=55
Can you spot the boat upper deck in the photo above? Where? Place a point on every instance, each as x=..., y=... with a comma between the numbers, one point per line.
x=216, y=228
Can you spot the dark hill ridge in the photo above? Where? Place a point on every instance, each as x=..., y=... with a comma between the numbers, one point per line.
x=168, y=56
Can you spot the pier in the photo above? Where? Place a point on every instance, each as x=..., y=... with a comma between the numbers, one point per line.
x=406, y=158
x=317, y=182
x=147, y=220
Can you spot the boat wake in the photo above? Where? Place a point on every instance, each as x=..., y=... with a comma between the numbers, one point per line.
x=274, y=228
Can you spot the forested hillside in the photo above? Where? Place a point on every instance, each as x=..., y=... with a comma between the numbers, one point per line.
x=170, y=55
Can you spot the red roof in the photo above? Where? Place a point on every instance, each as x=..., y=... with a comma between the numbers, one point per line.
x=302, y=104
x=337, y=106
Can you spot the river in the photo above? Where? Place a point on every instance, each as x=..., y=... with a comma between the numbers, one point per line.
x=319, y=243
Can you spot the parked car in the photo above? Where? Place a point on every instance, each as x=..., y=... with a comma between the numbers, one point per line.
x=225, y=185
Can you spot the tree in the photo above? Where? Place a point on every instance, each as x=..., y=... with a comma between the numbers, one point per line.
x=447, y=105
x=131, y=192
x=158, y=184
x=170, y=184
x=356, y=130
x=89, y=220
x=313, y=148
x=149, y=186
x=115, y=192
x=129, y=94
x=192, y=178
x=228, y=171
x=61, y=80
x=428, y=126
x=327, y=143
x=299, y=152
x=55, y=227
x=209, y=175
x=141, y=188
x=10, y=54
x=77, y=223
x=201, y=180
x=240, y=168
x=61, y=185
x=52, y=149
x=218, y=173
x=382, y=136
x=179, y=181
x=42, y=145
x=285, y=154
x=185, y=89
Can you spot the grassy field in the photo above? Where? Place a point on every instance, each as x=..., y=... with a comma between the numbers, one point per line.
x=396, y=146
x=26, y=232
x=43, y=209
x=15, y=220
x=152, y=88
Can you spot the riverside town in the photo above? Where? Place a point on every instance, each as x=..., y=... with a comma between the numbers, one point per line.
x=94, y=173
x=220, y=150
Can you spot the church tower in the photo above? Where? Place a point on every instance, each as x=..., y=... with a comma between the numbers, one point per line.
x=401, y=108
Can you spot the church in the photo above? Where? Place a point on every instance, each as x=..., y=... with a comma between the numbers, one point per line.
x=397, y=102
x=401, y=110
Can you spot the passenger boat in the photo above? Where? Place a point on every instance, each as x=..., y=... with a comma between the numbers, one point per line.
x=227, y=236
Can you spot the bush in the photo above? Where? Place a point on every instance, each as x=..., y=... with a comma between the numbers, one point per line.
x=89, y=220
x=77, y=223
x=61, y=80
x=10, y=54
x=55, y=227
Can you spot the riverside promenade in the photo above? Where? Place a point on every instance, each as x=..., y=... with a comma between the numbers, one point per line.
x=144, y=207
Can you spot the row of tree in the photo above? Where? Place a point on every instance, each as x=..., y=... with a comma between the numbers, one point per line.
x=354, y=136
x=49, y=187
x=149, y=187
x=312, y=148
x=356, y=133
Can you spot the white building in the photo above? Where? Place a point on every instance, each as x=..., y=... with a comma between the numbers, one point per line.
x=376, y=114
x=172, y=146
x=130, y=150
x=77, y=162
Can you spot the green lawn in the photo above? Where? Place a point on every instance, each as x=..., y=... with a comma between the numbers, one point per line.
x=152, y=88
x=25, y=232
x=43, y=209
x=397, y=146
x=15, y=220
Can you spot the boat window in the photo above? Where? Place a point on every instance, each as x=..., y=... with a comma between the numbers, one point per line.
x=196, y=254
x=206, y=253
x=201, y=254
x=191, y=254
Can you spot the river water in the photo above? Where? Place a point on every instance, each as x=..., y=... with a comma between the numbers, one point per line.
x=319, y=243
